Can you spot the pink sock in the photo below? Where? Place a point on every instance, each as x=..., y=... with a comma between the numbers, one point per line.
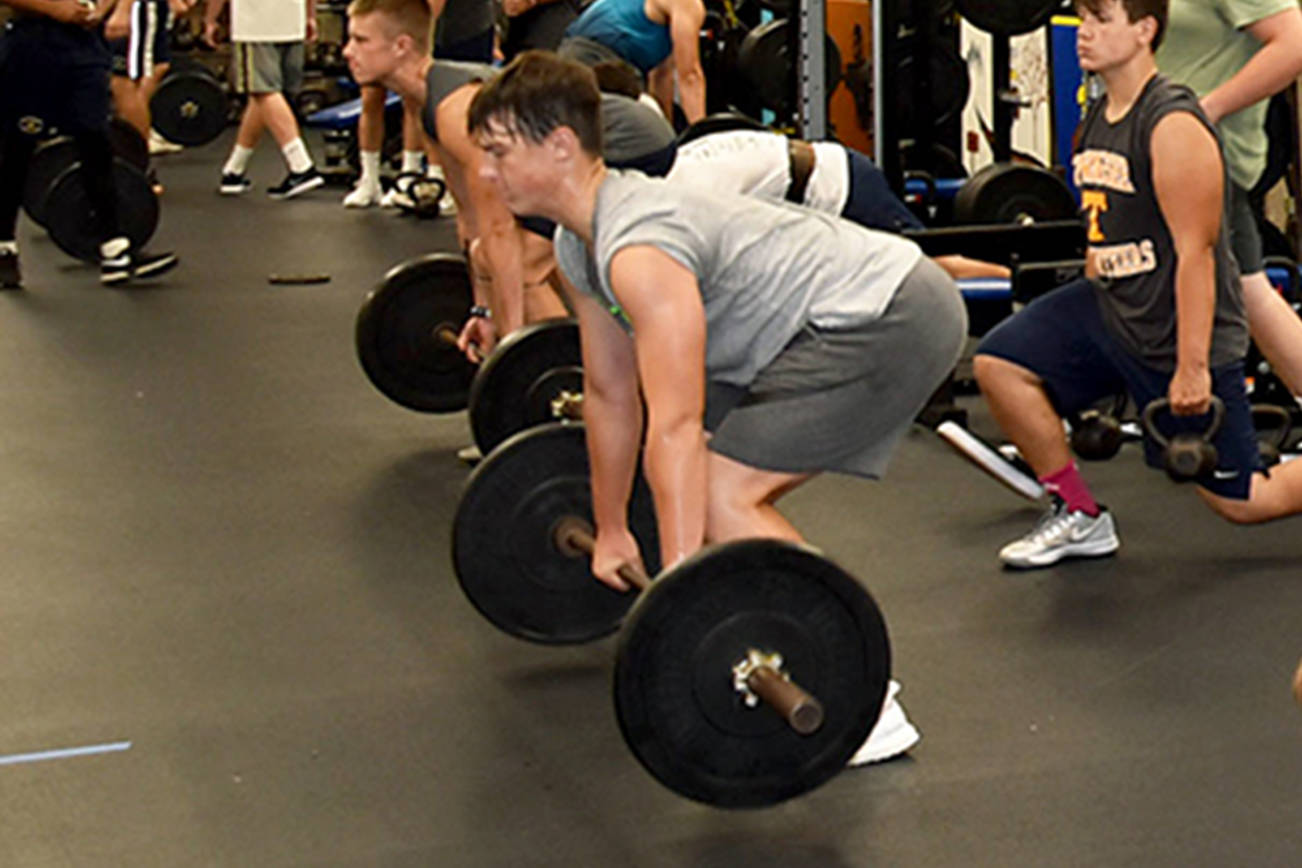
x=1068, y=484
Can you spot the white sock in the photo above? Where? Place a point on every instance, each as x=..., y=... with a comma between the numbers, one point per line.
x=114, y=247
x=9, y=247
x=296, y=156
x=370, y=169
x=238, y=160
x=412, y=161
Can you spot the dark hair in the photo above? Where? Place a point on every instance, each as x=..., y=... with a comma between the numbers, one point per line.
x=618, y=76
x=536, y=93
x=1135, y=10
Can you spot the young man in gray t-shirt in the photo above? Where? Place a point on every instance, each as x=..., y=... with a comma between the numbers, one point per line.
x=802, y=342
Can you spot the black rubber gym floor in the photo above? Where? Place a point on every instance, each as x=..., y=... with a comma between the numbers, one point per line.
x=226, y=575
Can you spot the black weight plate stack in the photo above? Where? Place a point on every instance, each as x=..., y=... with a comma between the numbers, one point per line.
x=515, y=385
x=719, y=122
x=947, y=91
x=398, y=330
x=1014, y=193
x=674, y=694
x=502, y=540
x=764, y=60
x=71, y=220
x=1008, y=17
x=51, y=159
x=189, y=108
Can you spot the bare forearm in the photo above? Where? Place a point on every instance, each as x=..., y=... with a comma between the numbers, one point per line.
x=675, y=466
x=691, y=90
x=1269, y=71
x=1195, y=308
x=505, y=257
x=613, y=424
x=212, y=10
x=660, y=84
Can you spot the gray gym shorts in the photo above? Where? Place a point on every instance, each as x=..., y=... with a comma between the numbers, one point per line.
x=841, y=400
x=267, y=67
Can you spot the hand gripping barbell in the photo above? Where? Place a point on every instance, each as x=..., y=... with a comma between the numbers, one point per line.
x=745, y=675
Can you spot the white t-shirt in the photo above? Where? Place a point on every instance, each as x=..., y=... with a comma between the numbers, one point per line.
x=268, y=20
x=758, y=163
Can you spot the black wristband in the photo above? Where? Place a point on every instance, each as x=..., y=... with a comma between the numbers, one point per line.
x=478, y=310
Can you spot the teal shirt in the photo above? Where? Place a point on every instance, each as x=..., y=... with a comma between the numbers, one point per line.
x=1204, y=46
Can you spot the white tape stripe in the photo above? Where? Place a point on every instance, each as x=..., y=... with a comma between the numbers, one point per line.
x=65, y=753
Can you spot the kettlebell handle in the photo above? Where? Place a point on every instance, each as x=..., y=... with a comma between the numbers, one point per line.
x=1157, y=405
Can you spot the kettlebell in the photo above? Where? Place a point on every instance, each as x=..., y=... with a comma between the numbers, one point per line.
x=1095, y=435
x=1274, y=424
x=1188, y=455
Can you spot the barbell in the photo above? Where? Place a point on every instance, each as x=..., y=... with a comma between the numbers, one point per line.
x=745, y=675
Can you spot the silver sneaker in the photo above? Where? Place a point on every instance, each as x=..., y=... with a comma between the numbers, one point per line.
x=1061, y=534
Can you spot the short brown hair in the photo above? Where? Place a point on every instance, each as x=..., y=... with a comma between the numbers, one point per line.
x=1135, y=10
x=410, y=17
x=618, y=76
x=538, y=92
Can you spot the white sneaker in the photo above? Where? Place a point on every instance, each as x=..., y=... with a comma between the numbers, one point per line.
x=991, y=460
x=159, y=145
x=363, y=196
x=891, y=736
x=1061, y=534
x=395, y=198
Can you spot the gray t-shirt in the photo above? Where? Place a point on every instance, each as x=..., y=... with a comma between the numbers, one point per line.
x=765, y=269
x=445, y=76
x=631, y=130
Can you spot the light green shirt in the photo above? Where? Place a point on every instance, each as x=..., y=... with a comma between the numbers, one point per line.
x=1204, y=46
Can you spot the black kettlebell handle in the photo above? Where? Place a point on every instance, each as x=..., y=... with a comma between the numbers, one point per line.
x=1157, y=405
x=1281, y=432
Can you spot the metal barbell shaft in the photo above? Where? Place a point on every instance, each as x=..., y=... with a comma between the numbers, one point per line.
x=801, y=711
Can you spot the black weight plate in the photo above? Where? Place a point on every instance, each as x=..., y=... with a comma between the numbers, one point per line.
x=502, y=546
x=674, y=695
x=50, y=160
x=1014, y=193
x=189, y=108
x=71, y=220
x=1008, y=17
x=398, y=329
x=127, y=143
x=945, y=95
x=764, y=60
x=499, y=395
x=719, y=122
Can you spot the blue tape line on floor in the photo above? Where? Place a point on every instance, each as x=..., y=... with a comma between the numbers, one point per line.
x=64, y=753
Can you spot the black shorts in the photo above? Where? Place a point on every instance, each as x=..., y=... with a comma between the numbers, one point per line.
x=150, y=42
x=1061, y=337
x=55, y=75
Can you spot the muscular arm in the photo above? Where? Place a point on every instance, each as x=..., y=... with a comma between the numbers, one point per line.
x=1276, y=64
x=663, y=303
x=685, y=19
x=612, y=415
x=1187, y=179
x=494, y=225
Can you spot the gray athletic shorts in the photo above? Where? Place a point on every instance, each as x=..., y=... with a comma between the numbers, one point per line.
x=1245, y=237
x=267, y=67
x=842, y=399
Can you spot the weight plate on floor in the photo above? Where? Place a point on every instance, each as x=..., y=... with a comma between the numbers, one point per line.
x=502, y=547
x=764, y=60
x=51, y=159
x=1014, y=193
x=1008, y=17
x=71, y=220
x=189, y=108
x=401, y=328
x=673, y=686
x=513, y=389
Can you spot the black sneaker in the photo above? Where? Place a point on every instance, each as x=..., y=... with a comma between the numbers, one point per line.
x=133, y=265
x=295, y=183
x=10, y=275
x=234, y=184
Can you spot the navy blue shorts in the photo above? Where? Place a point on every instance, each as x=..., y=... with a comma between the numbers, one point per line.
x=871, y=202
x=54, y=75
x=1061, y=338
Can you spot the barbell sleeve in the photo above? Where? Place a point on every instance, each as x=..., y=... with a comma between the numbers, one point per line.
x=798, y=708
